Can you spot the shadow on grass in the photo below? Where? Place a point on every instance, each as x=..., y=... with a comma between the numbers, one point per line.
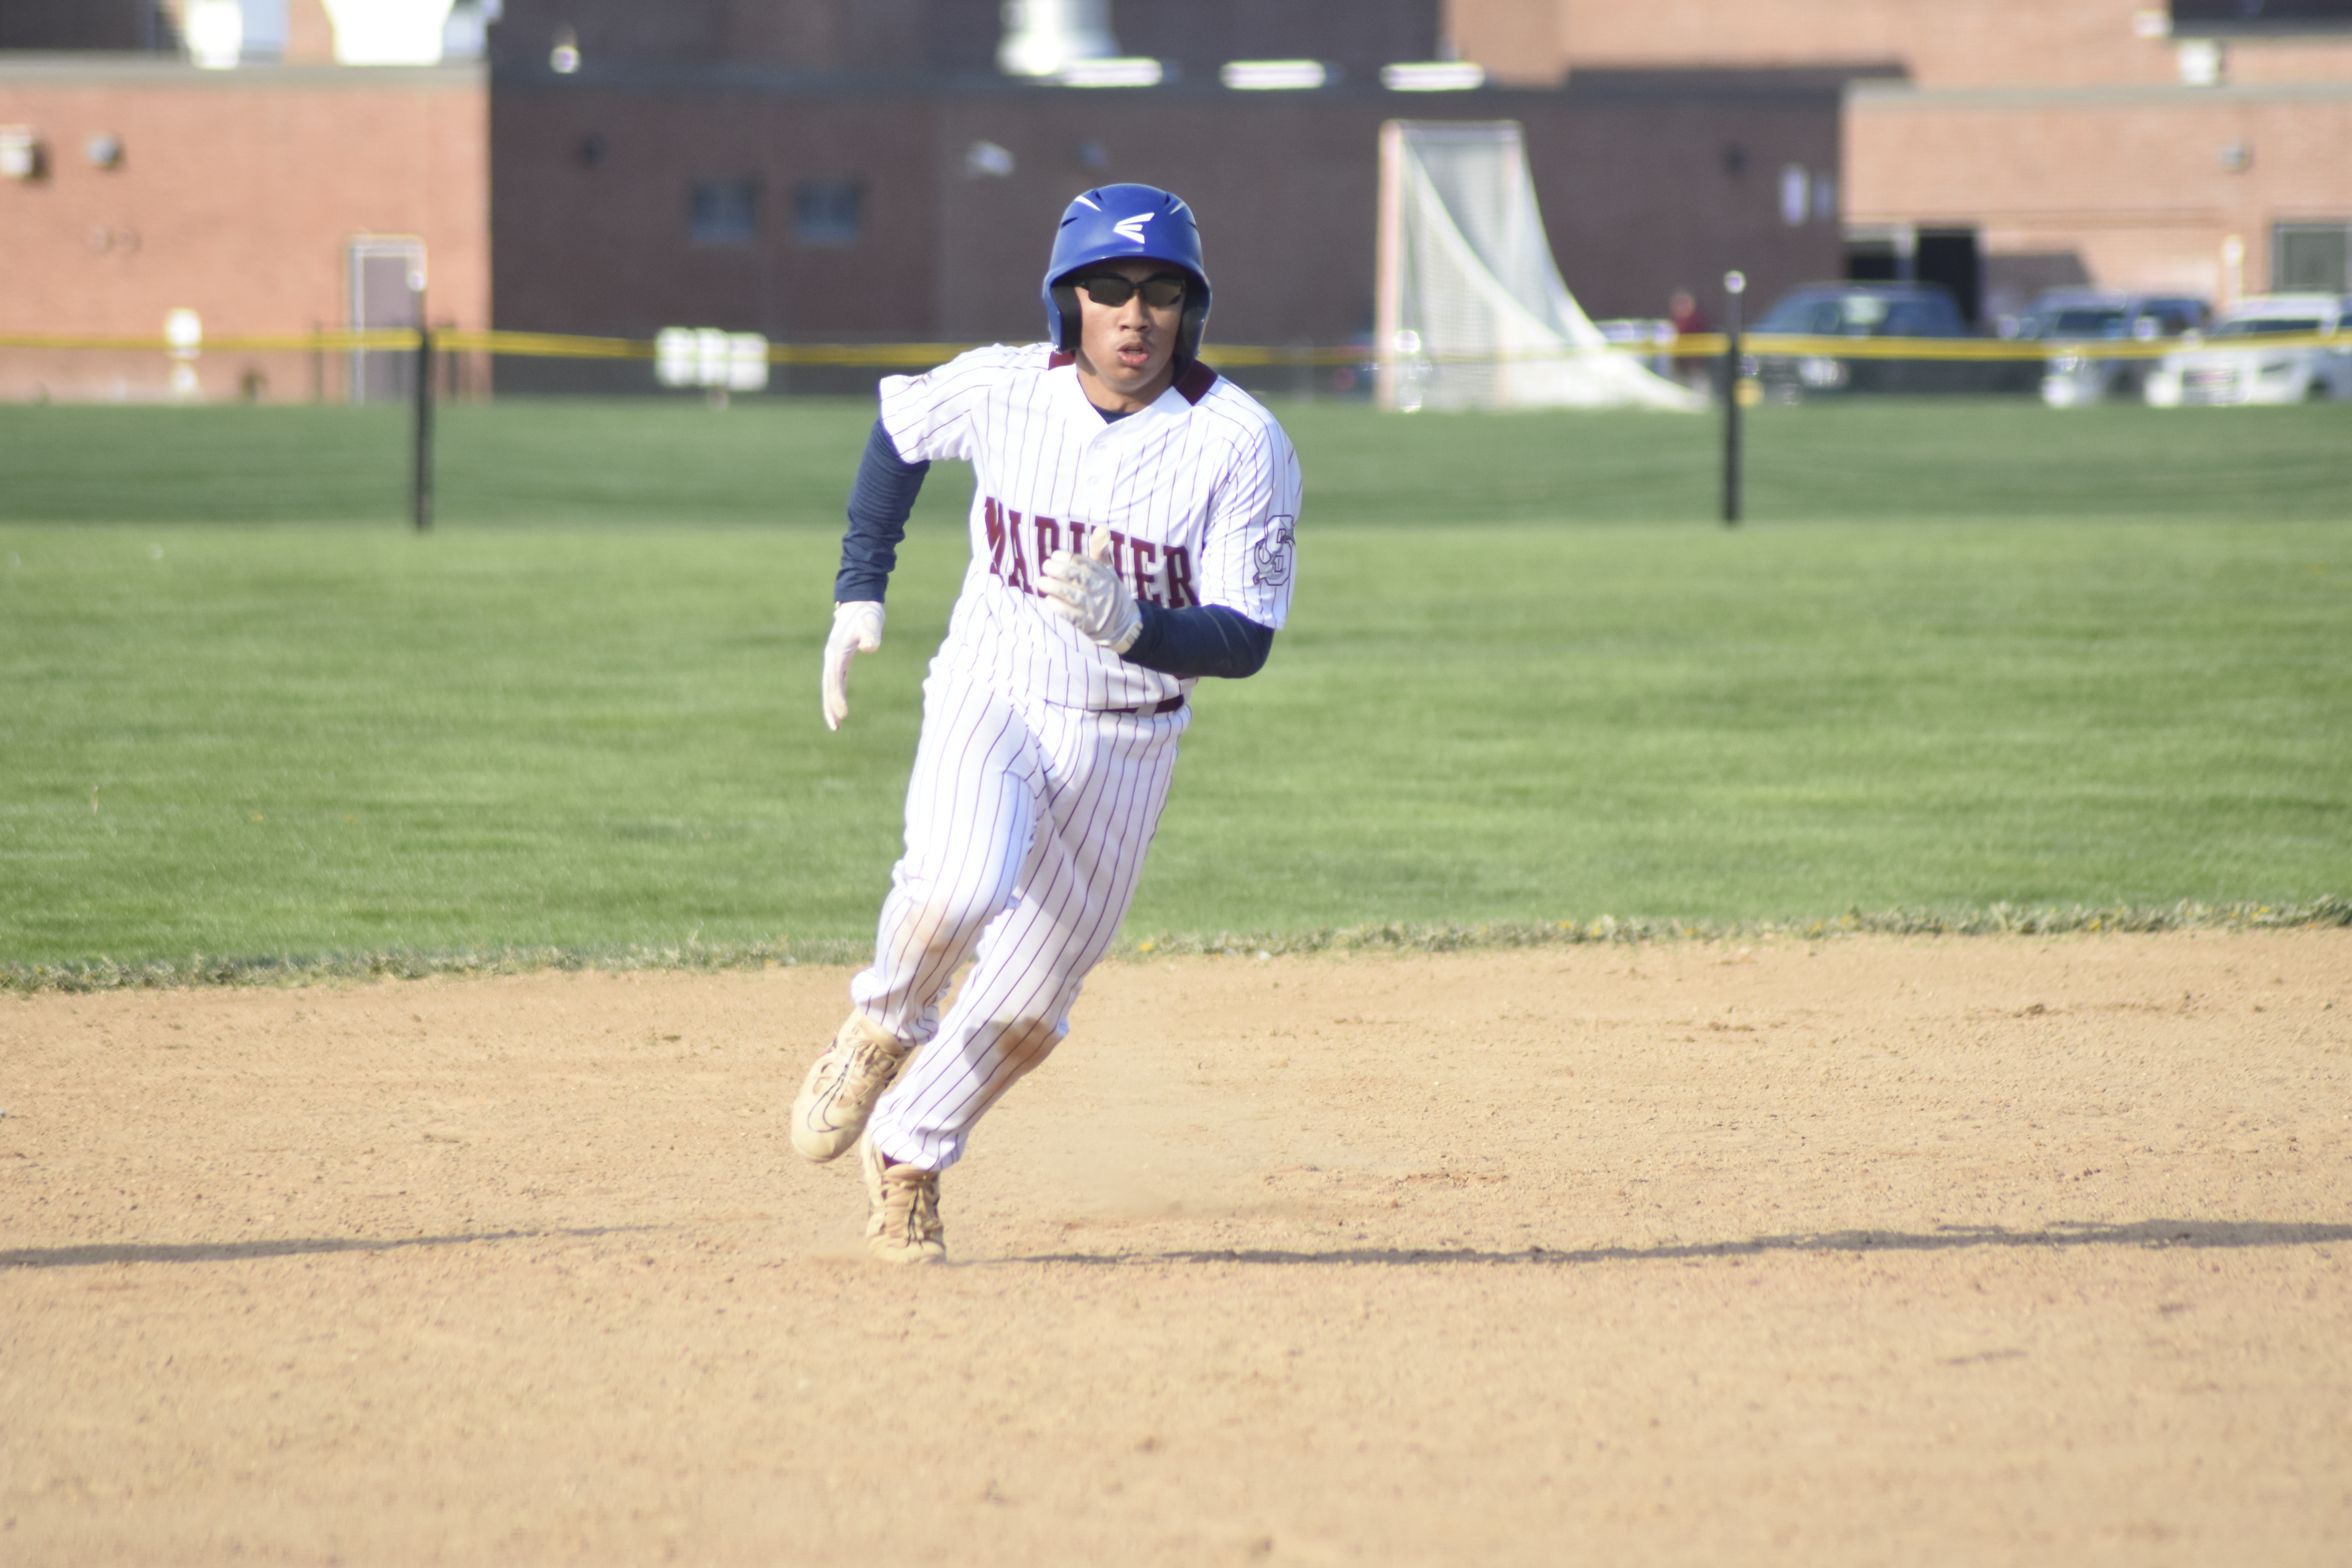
x=2152, y=1234
x=288, y=1246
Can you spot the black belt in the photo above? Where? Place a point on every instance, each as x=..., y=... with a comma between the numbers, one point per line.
x=1157, y=709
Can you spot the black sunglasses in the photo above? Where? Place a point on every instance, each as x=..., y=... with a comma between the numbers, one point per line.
x=1110, y=289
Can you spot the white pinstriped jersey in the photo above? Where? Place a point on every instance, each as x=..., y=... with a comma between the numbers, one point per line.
x=1200, y=491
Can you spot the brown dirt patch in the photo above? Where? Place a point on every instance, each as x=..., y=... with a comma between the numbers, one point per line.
x=1870, y=1250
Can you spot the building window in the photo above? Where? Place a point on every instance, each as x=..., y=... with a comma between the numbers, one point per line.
x=2257, y=18
x=2312, y=258
x=829, y=212
x=1794, y=191
x=723, y=212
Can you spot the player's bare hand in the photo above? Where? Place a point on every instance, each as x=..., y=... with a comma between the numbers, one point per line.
x=1089, y=593
x=856, y=628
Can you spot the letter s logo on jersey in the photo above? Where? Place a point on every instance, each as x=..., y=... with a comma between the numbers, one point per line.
x=1131, y=228
x=1271, y=558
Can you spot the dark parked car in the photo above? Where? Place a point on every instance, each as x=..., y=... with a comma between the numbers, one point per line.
x=1876, y=311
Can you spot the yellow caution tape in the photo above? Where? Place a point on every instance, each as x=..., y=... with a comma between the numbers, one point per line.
x=1695, y=345
x=387, y=339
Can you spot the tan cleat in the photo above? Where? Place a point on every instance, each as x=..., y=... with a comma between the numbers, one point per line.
x=829, y=1115
x=902, y=1222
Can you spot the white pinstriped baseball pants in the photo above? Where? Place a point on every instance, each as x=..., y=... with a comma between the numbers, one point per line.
x=1026, y=828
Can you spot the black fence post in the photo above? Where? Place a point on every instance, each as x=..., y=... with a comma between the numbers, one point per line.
x=421, y=483
x=1735, y=284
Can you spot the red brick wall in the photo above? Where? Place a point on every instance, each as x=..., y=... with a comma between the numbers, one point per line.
x=2059, y=128
x=1638, y=186
x=237, y=192
x=2137, y=187
x=1947, y=43
x=591, y=190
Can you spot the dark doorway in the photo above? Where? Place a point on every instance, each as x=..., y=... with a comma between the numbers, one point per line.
x=1903, y=255
x=1949, y=256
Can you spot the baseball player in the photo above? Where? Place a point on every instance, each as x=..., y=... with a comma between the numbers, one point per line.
x=1131, y=532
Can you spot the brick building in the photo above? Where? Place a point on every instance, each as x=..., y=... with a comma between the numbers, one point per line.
x=823, y=170
x=827, y=169
x=2200, y=145
x=830, y=171
x=236, y=195
x=255, y=198
x=810, y=211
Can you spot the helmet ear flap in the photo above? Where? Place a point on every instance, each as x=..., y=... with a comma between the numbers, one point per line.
x=1066, y=309
x=1195, y=321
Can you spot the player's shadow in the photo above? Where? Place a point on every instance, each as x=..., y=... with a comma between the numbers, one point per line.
x=285, y=1247
x=2150, y=1234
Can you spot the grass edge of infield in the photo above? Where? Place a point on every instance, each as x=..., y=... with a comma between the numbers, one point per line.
x=199, y=970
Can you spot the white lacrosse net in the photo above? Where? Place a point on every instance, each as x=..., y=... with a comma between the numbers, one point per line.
x=1473, y=309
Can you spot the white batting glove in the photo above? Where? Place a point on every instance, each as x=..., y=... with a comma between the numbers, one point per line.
x=856, y=628
x=1087, y=592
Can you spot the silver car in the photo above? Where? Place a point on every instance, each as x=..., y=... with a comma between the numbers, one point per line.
x=2077, y=322
x=2275, y=348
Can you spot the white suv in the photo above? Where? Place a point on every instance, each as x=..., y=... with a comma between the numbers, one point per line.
x=2276, y=348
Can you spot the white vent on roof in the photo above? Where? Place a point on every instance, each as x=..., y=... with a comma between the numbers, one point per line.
x=1433, y=76
x=388, y=32
x=1119, y=71
x=215, y=31
x=1272, y=76
x=1044, y=37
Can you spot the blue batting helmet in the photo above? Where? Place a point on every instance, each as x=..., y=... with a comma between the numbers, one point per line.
x=1116, y=221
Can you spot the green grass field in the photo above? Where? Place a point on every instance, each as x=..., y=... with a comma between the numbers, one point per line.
x=1966, y=654
x=769, y=462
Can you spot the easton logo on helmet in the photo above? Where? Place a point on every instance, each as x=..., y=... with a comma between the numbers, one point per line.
x=1132, y=227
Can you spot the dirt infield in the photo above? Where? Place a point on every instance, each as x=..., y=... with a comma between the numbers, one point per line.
x=1871, y=1250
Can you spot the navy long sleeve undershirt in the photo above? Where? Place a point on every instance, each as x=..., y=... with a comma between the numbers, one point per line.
x=1201, y=639
x=1195, y=641
x=880, y=504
